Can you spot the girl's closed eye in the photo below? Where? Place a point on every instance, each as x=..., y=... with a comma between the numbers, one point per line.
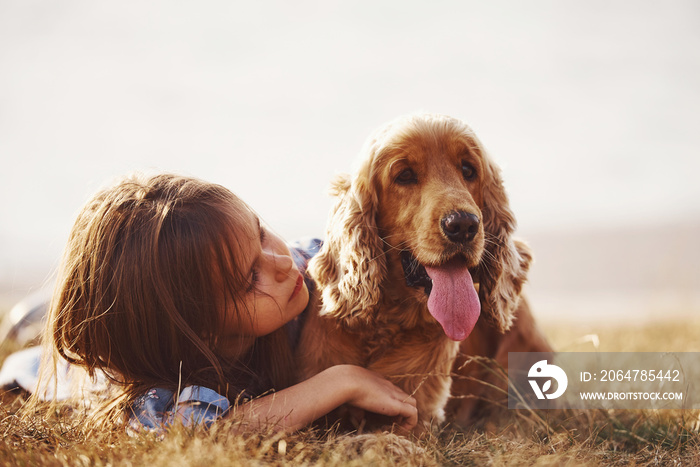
x=254, y=279
x=254, y=273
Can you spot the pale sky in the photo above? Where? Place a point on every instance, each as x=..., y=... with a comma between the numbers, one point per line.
x=591, y=108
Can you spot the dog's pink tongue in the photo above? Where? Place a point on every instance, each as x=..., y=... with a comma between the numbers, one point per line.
x=453, y=299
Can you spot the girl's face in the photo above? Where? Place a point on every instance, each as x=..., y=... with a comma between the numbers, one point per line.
x=276, y=292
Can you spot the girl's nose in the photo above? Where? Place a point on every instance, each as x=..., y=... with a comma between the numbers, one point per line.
x=283, y=265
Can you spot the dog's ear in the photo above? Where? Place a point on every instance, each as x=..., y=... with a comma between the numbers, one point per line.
x=503, y=269
x=350, y=267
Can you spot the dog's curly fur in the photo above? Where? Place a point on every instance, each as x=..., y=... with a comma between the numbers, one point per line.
x=411, y=176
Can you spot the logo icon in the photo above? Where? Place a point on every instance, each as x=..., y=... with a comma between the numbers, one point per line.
x=543, y=370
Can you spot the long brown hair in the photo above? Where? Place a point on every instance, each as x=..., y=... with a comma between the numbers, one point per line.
x=148, y=266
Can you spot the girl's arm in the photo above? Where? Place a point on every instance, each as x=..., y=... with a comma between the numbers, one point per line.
x=299, y=405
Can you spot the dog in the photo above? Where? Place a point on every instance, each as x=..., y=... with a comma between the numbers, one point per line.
x=419, y=259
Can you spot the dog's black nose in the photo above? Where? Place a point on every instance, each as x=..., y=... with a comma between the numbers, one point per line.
x=460, y=226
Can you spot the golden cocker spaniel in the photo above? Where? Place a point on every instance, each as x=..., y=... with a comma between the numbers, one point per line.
x=418, y=255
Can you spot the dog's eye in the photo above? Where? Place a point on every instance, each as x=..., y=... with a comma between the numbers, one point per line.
x=406, y=177
x=468, y=171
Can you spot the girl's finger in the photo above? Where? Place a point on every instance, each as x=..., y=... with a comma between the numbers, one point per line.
x=411, y=400
x=410, y=416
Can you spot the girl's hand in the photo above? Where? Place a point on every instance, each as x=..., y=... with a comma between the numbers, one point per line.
x=370, y=391
x=299, y=405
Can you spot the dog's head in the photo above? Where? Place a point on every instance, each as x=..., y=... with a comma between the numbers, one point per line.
x=425, y=217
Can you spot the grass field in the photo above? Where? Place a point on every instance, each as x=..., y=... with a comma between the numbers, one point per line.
x=590, y=437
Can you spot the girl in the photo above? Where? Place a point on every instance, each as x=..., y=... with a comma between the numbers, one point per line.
x=174, y=290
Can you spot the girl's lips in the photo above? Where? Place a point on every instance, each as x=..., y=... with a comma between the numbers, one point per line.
x=298, y=286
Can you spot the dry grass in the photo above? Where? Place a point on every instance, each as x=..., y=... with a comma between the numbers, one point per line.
x=659, y=336
x=538, y=438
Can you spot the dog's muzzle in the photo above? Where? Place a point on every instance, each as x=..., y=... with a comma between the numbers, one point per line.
x=415, y=273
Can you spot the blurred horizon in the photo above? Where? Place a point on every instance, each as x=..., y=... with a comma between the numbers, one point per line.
x=590, y=108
